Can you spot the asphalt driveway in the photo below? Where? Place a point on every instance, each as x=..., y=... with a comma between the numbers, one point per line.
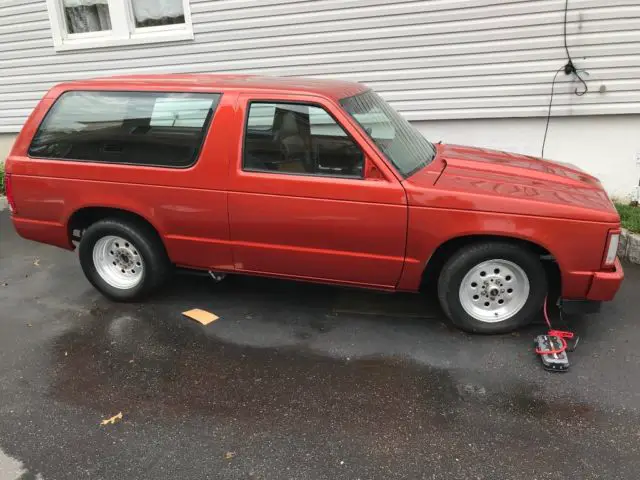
x=296, y=381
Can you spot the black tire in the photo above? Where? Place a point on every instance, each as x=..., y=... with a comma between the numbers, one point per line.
x=467, y=258
x=148, y=245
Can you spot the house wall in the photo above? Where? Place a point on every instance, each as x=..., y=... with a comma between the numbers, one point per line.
x=460, y=67
x=6, y=141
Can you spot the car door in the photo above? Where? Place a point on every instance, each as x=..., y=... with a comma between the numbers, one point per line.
x=309, y=199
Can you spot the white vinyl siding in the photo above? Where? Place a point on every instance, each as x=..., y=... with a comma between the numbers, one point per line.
x=432, y=59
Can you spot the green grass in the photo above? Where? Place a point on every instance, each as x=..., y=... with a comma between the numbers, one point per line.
x=630, y=217
x=1, y=178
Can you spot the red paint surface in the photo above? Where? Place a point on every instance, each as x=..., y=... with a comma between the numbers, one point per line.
x=375, y=232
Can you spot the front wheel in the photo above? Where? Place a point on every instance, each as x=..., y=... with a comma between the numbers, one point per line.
x=492, y=287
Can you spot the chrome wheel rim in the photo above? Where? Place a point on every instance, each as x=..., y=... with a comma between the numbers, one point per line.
x=118, y=262
x=494, y=291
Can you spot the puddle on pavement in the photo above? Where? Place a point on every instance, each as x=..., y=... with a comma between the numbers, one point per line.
x=151, y=363
x=12, y=469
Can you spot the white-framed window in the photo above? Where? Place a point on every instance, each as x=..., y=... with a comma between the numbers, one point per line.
x=77, y=24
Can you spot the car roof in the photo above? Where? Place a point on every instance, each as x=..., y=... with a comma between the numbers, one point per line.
x=335, y=89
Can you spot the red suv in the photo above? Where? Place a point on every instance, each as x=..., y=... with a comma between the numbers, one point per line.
x=306, y=179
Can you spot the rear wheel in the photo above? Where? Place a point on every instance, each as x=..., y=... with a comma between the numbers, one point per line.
x=492, y=287
x=124, y=260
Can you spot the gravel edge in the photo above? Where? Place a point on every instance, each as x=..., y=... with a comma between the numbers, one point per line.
x=629, y=248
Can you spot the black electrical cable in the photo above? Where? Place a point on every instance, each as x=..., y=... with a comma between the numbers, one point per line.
x=546, y=129
x=569, y=68
x=566, y=12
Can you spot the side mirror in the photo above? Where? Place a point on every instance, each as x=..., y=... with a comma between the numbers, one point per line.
x=371, y=171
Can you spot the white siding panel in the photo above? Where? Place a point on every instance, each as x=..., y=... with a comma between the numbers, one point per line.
x=432, y=59
x=18, y=8
x=23, y=18
x=362, y=38
x=399, y=47
x=609, y=32
x=321, y=62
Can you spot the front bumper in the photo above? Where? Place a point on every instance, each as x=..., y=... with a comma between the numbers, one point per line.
x=605, y=285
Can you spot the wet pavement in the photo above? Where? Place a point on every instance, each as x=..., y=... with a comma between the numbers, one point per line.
x=296, y=381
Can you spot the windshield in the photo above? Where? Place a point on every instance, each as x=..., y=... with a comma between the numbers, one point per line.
x=402, y=144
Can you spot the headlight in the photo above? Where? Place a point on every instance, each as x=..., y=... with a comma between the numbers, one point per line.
x=612, y=248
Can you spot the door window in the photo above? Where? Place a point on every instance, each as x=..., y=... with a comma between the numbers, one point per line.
x=299, y=139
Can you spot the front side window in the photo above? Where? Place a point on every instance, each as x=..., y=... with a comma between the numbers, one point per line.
x=299, y=139
x=100, y=23
x=141, y=128
x=402, y=144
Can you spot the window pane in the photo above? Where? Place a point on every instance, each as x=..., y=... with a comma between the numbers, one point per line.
x=180, y=112
x=83, y=16
x=295, y=138
x=142, y=128
x=151, y=13
x=400, y=141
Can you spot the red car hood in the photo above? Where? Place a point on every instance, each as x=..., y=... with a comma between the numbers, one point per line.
x=490, y=180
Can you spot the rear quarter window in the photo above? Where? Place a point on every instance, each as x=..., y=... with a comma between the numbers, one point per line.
x=140, y=128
